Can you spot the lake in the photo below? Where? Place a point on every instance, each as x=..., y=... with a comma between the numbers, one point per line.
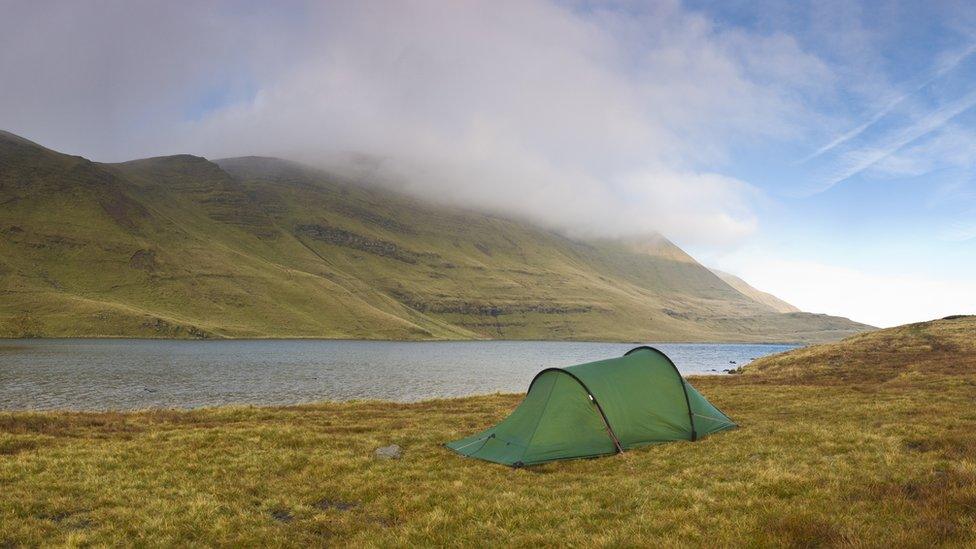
x=125, y=374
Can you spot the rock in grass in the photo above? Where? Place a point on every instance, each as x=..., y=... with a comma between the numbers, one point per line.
x=392, y=451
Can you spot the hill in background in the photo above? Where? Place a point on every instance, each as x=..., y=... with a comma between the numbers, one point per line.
x=180, y=246
x=765, y=298
x=904, y=354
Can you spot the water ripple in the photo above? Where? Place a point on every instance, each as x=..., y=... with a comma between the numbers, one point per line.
x=125, y=374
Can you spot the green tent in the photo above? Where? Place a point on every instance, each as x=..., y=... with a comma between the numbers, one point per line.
x=596, y=409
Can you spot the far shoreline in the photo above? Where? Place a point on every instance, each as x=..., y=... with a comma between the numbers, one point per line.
x=381, y=340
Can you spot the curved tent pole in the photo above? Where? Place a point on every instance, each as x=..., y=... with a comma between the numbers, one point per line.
x=684, y=389
x=613, y=436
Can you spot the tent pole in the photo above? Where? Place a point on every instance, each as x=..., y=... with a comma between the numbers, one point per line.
x=684, y=389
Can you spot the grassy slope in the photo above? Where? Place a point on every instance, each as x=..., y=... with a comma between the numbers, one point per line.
x=874, y=461
x=765, y=298
x=180, y=247
x=905, y=354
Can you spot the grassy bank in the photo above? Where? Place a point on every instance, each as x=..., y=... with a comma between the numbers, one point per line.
x=874, y=462
x=871, y=441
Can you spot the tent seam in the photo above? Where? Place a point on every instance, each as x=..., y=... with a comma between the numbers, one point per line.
x=681, y=379
x=606, y=421
x=538, y=420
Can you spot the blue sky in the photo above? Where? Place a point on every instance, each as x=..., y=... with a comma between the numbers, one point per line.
x=824, y=151
x=877, y=203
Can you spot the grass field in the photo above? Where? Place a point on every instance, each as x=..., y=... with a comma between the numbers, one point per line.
x=885, y=458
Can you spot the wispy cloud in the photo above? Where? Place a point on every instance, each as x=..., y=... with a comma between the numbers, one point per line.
x=859, y=160
x=945, y=68
x=960, y=231
x=956, y=200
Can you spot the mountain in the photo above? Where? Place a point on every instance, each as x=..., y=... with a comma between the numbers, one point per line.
x=760, y=296
x=180, y=246
x=913, y=354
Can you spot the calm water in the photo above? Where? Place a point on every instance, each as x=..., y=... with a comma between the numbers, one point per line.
x=83, y=374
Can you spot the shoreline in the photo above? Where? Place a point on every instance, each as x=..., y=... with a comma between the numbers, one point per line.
x=140, y=373
x=696, y=377
x=360, y=340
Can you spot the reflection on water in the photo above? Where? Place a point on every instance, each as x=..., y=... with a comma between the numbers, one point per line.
x=113, y=374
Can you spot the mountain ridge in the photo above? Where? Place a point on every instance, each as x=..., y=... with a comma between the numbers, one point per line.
x=180, y=246
x=749, y=291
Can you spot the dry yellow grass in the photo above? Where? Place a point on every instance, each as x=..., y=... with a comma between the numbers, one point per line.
x=904, y=354
x=811, y=465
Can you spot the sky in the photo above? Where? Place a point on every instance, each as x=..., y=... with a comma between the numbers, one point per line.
x=823, y=151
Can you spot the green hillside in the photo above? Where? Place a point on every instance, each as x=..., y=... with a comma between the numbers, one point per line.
x=256, y=247
x=765, y=298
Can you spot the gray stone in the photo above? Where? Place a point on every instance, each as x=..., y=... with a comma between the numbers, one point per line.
x=392, y=451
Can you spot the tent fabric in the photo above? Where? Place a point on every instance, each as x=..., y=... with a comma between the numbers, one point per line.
x=596, y=409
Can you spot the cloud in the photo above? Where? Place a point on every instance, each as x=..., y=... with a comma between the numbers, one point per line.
x=947, y=66
x=100, y=78
x=914, y=117
x=866, y=156
x=606, y=120
x=879, y=299
x=961, y=230
x=956, y=200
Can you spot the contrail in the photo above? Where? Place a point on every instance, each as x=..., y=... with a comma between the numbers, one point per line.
x=929, y=124
x=843, y=138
